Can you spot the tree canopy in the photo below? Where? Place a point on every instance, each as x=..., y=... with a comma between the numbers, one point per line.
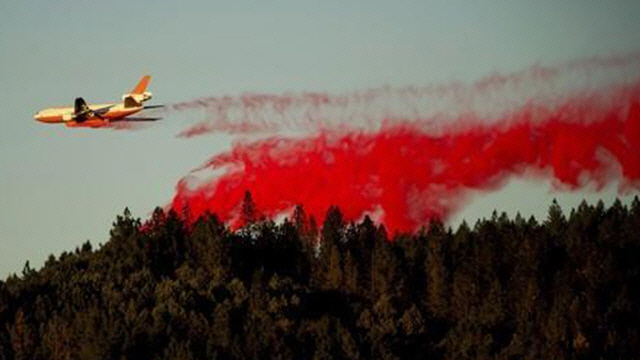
x=504, y=288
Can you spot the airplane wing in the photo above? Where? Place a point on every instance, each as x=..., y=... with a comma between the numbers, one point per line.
x=99, y=112
x=82, y=110
x=153, y=106
x=103, y=110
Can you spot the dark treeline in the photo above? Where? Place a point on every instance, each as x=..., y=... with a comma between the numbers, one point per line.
x=567, y=287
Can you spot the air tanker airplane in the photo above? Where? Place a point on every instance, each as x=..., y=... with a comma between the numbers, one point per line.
x=99, y=115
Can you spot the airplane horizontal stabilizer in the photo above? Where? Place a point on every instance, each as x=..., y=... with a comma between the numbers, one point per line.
x=141, y=119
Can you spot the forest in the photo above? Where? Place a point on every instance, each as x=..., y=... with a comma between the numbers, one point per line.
x=563, y=287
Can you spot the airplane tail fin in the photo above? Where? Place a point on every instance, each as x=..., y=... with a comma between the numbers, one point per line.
x=142, y=85
x=139, y=94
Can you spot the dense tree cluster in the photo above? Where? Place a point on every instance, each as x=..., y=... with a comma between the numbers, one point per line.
x=504, y=288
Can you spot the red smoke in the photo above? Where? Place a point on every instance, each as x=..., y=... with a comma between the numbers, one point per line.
x=404, y=174
x=487, y=98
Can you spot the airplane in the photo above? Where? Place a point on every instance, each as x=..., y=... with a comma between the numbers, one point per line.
x=99, y=115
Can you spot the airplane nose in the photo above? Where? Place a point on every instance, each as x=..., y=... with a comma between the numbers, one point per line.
x=39, y=117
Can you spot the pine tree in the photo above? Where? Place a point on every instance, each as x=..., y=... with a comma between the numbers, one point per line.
x=334, y=270
x=300, y=220
x=332, y=229
x=350, y=274
x=437, y=292
x=249, y=213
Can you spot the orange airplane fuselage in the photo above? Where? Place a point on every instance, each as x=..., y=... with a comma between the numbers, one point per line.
x=60, y=115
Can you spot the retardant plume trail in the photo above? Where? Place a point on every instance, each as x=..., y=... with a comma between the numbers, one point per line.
x=488, y=99
x=405, y=175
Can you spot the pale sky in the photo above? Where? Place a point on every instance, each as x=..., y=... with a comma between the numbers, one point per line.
x=60, y=187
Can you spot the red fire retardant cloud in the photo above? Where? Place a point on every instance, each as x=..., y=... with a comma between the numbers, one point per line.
x=264, y=113
x=404, y=174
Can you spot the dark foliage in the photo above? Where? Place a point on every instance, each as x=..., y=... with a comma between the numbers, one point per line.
x=506, y=288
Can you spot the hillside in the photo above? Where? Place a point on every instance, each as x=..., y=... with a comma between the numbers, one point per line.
x=504, y=288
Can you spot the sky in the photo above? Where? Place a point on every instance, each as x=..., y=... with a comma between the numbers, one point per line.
x=60, y=187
